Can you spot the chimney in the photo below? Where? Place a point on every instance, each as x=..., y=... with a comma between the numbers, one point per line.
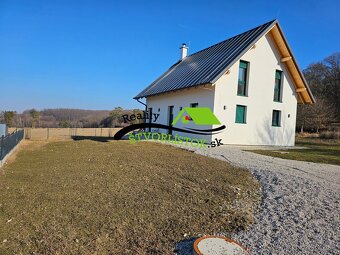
x=184, y=51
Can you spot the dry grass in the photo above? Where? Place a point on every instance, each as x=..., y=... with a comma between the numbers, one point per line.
x=88, y=197
x=317, y=150
x=23, y=145
x=330, y=134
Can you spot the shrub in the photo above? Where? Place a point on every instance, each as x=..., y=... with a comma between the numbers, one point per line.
x=330, y=134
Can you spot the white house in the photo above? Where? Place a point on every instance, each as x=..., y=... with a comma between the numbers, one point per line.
x=251, y=82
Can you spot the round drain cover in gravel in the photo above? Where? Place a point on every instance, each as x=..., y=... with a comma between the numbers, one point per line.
x=218, y=245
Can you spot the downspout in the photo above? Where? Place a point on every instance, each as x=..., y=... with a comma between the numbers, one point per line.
x=142, y=103
x=146, y=107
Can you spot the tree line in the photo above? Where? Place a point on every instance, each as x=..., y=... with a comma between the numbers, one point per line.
x=324, y=80
x=64, y=118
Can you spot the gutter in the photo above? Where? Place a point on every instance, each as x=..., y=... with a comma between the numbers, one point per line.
x=146, y=107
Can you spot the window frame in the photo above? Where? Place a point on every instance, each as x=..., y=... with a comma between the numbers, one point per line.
x=278, y=123
x=279, y=100
x=193, y=105
x=246, y=80
x=244, y=121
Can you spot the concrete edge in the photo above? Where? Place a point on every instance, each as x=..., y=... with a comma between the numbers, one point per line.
x=3, y=161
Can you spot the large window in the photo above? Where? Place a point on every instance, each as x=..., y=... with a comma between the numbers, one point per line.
x=276, y=119
x=242, y=79
x=278, y=86
x=241, y=112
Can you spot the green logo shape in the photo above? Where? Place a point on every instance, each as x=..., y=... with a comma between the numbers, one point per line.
x=200, y=116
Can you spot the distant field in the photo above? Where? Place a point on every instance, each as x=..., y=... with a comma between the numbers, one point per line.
x=86, y=197
x=65, y=133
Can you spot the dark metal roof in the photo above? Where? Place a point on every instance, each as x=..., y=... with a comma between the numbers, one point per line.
x=206, y=66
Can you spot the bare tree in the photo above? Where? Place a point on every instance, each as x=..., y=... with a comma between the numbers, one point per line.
x=332, y=81
x=324, y=80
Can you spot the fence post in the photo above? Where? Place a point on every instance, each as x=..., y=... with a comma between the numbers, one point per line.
x=26, y=133
x=48, y=133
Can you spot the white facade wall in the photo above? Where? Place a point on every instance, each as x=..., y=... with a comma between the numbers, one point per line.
x=263, y=62
x=258, y=130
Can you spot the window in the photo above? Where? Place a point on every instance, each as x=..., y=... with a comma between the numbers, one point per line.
x=278, y=86
x=241, y=112
x=276, y=120
x=193, y=105
x=242, y=79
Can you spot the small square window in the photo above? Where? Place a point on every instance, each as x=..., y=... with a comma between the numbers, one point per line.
x=241, y=112
x=276, y=119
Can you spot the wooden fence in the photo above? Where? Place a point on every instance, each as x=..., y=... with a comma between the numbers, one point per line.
x=65, y=133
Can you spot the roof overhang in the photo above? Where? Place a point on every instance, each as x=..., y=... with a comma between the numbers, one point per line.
x=198, y=86
x=302, y=89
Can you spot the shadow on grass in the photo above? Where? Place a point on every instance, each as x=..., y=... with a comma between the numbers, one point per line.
x=185, y=247
x=317, y=142
x=326, y=152
x=92, y=138
x=310, y=155
x=103, y=139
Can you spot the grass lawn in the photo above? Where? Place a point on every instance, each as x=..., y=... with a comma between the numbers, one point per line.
x=317, y=150
x=89, y=197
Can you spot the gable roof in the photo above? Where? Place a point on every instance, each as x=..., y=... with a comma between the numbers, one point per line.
x=208, y=65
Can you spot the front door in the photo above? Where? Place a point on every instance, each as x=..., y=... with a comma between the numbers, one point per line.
x=150, y=118
x=171, y=117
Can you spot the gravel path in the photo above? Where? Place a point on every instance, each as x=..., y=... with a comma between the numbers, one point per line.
x=301, y=204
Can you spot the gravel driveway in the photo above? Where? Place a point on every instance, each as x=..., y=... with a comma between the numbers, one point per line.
x=301, y=204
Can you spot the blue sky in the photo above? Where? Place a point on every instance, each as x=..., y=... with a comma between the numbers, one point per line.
x=99, y=54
